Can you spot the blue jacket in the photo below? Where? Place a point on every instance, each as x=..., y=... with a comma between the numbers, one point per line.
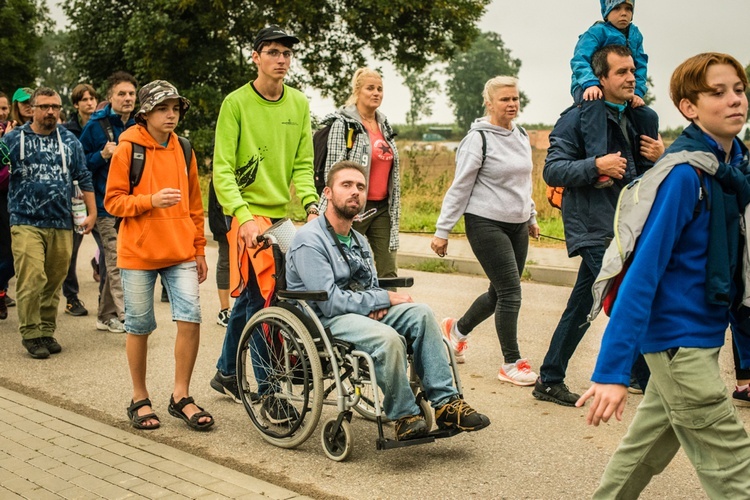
x=663, y=302
x=588, y=212
x=314, y=263
x=41, y=180
x=93, y=140
x=601, y=34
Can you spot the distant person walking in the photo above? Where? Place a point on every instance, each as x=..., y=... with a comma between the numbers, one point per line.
x=362, y=134
x=492, y=190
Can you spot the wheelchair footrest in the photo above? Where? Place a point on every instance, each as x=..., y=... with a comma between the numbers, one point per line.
x=389, y=444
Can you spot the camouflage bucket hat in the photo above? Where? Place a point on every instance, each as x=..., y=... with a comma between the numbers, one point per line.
x=157, y=92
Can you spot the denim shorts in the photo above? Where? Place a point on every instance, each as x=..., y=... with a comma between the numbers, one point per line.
x=181, y=282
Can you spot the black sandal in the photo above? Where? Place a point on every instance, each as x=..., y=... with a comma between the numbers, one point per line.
x=175, y=409
x=137, y=420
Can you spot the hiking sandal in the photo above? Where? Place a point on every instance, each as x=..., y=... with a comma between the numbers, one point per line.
x=175, y=409
x=136, y=420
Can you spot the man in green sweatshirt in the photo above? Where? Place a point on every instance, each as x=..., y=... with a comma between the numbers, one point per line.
x=263, y=143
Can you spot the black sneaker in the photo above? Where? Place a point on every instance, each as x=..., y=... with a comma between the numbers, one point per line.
x=411, y=427
x=457, y=414
x=634, y=387
x=3, y=308
x=37, y=347
x=554, y=393
x=52, y=346
x=164, y=295
x=76, y=308
x=279, y=411
x=9, y=301
x=227, y=385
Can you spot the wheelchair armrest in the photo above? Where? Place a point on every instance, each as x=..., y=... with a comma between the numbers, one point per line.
x=317, y=295
x=396, y=282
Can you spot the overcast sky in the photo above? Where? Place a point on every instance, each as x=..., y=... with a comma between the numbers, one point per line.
x=543, y=33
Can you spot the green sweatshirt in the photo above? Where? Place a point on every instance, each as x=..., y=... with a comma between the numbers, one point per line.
x=261, y=147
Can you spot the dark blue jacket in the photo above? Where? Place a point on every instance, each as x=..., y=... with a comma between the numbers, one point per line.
x=588, y=213
x=93, y=138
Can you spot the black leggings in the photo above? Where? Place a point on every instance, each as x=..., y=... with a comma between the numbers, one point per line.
x=501, y=249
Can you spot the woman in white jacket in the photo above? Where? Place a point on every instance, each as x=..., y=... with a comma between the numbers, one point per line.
x=492, y=190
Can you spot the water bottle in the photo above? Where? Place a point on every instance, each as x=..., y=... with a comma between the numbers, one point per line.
x=78, y=209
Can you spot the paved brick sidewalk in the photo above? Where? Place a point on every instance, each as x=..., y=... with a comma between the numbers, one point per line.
x=48, y=452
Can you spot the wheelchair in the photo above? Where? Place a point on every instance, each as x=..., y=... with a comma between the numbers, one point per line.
x=289, y=366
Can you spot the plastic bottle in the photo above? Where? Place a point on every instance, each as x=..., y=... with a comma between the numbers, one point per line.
x=78, y=209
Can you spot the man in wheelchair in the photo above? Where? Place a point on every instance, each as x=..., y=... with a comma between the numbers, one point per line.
x=327, y=254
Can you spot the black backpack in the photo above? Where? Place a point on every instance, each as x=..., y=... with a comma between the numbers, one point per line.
x=320, y=151
x=138, y=159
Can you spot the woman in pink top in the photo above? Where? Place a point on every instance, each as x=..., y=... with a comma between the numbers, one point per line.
x=361, y=133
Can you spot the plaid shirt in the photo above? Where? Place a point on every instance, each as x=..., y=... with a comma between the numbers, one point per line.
x=361, y=153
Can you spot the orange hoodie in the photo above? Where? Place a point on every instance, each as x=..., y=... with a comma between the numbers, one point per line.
x=154, y=238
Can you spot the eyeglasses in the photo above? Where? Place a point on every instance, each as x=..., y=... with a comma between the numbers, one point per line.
x=47, y=107
x=273, y=53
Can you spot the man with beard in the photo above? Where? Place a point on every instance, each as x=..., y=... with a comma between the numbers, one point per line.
x=327, y=254
x=45, y=159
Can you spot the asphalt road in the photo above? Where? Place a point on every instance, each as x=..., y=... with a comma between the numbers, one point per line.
x=531, y=450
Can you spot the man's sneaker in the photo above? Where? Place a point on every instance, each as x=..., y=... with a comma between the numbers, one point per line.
x=518, y=373
x=52, y=346
x=741, y=395
x=279, y=411
x=114, y=325
x=36, y=347
x=634, y=387
x=227, y=385
x=459, y=346
x=411, y=427
x=223, y=318
x=555, y=393
x=76, y=308
x=457, y=414
x=3, y=308
x=9, y=301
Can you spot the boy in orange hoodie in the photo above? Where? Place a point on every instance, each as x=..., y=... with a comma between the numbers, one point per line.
x=161, y=234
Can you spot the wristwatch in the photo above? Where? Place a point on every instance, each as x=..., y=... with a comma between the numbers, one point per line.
x=312, y=209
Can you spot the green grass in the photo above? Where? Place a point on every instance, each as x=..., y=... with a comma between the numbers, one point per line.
x=432, y=266
x=552, y=227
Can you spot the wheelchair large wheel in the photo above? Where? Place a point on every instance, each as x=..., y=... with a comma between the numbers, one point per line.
x=280, y=377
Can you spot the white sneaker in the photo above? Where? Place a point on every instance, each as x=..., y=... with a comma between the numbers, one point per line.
x=459, y=346
x=114, y=325
x=518, y=373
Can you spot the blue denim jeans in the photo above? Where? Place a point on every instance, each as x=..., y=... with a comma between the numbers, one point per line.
x=572, y=325
x=181, y=281
x=386, y=341
x=248, y=303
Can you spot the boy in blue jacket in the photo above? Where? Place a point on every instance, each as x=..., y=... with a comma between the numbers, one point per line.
x=674, y=303
x=616, y=29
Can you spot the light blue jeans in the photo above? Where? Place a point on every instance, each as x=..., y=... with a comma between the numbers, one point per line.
x=386, y=341
x=181, y=282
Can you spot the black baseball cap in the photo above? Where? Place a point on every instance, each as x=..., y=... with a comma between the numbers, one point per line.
x=273, y=33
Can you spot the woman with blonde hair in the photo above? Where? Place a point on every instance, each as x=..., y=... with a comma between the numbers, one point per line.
x=361, y=133
x=492, y=190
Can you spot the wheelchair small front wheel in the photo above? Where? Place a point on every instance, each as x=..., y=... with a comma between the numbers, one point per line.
x=337, y=443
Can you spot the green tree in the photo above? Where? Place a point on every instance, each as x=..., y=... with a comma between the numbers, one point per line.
x=486, y=58
x=23, y=22
x=55, y=70
x=422, y=89
x=649, y=98
x=204, y=48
